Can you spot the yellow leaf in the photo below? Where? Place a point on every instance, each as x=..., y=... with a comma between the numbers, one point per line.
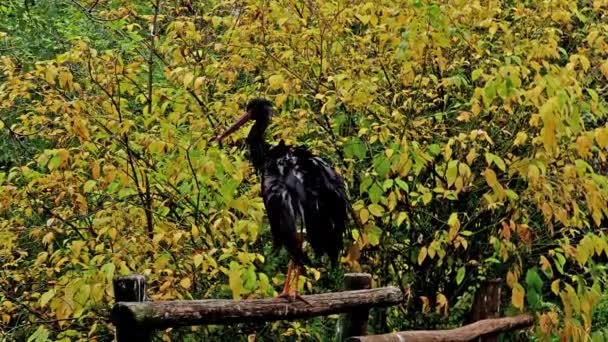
x=601, y=137
x=275, y=81
x=422, y=255
x=490, y=177
x=392, y=201
x=63, y=155
x=185, y=283
x=471, y=156
x=517, y=298
x=533, y=174
x=454, y=224
x=511, y=279
x=452, y=172
x=582, y=254
x=364, y=215
x=48, y=238
x=194, y=231
x=475, y=108
x=95, y=170
x=198, y=259
x=584, y=62
x=464, y=116
x=187, y=79
x=234, y=281
x=544, y=263
x=376, y=210
x=555, y=287
x=51, y=74
x=198, y=83
x=425, y=304
x=583, y=146
x=442, y=303
x=548, y=135
x=604, y=69
x=520, y=138
x=401, y=217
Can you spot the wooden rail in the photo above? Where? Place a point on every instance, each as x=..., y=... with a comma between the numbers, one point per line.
x=470, y=332
x=164, y=314
x=136, y=318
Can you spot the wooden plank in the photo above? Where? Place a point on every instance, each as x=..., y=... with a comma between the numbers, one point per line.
x=465, y=333
x=164, y=314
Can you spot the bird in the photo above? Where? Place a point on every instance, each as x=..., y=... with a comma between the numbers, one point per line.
x=299, y=190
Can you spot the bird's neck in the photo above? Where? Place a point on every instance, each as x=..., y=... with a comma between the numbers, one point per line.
x=257, y=145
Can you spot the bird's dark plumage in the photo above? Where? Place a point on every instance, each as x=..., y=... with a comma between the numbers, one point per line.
x=301, y=187
x=298, y=188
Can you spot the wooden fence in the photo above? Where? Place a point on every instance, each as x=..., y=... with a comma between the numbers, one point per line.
x=135, y=317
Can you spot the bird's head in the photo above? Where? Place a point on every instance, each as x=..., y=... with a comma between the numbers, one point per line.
x=259, y=110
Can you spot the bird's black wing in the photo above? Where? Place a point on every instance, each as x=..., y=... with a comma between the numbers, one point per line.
x=283, y=194
x=325, y=206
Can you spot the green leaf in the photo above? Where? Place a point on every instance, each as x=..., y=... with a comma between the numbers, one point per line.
x=365, y=183
x=460, y=275
x=40, y=335
x=434, y=150
x=427, y=197
x=533, y=280
x=89, y=186
x=355, y=148
x=382, y=165
x=124, y=192
x=403, y=185
x=387, y=184
x=375, y=193
x=44, y=299
x=598, y=336
x=374, y=236
x=54, y=162
x=492, y=158
x=533, y=298
x=376, y=210
x=452, y=172
x=476, y=73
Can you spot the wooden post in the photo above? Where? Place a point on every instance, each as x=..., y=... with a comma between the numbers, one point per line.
x=355, y=322
x=487, y=305
x=130, y=288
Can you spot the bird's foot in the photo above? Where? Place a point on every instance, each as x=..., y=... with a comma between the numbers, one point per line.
x=298, y=297
x=292, y=297
x=286, y=295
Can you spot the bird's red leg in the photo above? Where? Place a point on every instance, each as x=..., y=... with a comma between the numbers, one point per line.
x=285, y=293
x=297, y=294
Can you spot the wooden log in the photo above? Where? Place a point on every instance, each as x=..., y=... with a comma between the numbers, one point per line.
x=355, y=322
x=130, y=288
x=164, y=314
x=465, y=333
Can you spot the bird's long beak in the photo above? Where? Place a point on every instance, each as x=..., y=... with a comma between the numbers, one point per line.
x=240, y=122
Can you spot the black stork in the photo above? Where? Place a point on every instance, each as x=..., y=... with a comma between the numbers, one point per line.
x=298, y=187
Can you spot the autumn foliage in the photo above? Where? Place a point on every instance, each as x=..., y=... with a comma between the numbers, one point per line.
x=472, y=136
